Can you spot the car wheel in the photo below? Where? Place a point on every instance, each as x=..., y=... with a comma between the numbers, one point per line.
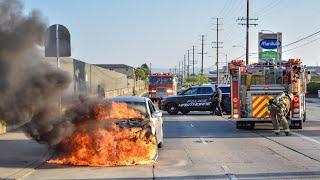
x=160, y=144
x=184, y=111
x=172, y=108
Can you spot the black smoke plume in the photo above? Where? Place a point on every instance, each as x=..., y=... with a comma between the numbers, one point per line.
x=29, y=87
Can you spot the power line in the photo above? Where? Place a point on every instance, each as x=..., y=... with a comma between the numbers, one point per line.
x=301, y=39
x=228, y=9
x=307, y=43
x=268, y=6
x=233, y=15
x=224, y=7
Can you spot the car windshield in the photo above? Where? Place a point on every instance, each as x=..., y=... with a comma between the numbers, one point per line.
x=225, y=89
x=160, y=80
x=139, y=106
x=190, y=91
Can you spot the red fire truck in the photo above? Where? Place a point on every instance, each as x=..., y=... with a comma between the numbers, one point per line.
x=162, y=85
x=254, y=85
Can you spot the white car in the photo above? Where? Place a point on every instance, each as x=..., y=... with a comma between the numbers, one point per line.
x=146, y=107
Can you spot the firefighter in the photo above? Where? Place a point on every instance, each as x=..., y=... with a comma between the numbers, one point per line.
x=101, y=92
x=217, y=98
x=280, y=110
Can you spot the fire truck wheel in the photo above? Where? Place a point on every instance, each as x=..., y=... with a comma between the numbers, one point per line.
x=172, y=108
x=240, y=125
x=296, y=124
x=245, y=125
x=251, y=125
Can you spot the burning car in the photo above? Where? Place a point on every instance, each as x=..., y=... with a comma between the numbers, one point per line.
x=148, y=110
x=113, y=132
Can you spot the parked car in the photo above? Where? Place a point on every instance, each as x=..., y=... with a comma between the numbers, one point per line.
x=145, y=107
x=196, y=98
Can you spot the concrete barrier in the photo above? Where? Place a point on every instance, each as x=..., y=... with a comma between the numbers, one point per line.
x=86, y=78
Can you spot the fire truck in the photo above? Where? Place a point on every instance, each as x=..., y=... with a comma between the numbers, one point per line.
x=252, y=87
x=162, y=85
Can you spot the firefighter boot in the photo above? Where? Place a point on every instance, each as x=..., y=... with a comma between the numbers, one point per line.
x=287, y=133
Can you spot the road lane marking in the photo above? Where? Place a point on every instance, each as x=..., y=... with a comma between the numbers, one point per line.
x=306, y=138
x=203, y=141
x=288, y=147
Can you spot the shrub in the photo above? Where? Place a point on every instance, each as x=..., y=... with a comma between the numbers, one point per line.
x=313, y=87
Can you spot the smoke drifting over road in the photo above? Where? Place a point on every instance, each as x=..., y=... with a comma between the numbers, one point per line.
x=29, y=86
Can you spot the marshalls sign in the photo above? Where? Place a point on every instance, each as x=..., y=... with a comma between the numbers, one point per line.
x=270, y=47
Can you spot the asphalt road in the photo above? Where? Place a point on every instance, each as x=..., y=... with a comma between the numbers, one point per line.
x=202, y=146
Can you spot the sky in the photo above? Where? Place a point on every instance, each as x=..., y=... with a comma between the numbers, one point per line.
x=160, y=32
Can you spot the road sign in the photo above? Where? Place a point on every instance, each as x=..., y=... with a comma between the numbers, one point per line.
x=60, y=41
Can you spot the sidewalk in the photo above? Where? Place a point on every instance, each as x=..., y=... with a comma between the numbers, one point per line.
x=19, y=155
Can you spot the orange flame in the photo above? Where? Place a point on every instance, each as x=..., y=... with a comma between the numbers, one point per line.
x=99, y=141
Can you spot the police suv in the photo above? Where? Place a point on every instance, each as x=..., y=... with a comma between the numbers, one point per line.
x=196, y=98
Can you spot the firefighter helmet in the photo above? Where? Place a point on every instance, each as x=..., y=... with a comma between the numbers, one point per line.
x=290, y=95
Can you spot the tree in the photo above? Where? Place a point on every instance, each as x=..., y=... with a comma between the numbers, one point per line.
x=193, y=80
x=203, y=79
x=146, y=69
x=140, y=74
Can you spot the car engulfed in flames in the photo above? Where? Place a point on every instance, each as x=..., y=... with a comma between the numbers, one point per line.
x=108, y=134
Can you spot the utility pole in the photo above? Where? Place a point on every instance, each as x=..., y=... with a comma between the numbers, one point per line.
x=150, y=69
x=247, y=24
x=182, y=77
x=193, y=60
x=188, y=70
x=179, y=69
x=182, y=71
x=226, y=63
x=217, y=49
x=202, y=44
x=175, y=70
x=184, y=67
